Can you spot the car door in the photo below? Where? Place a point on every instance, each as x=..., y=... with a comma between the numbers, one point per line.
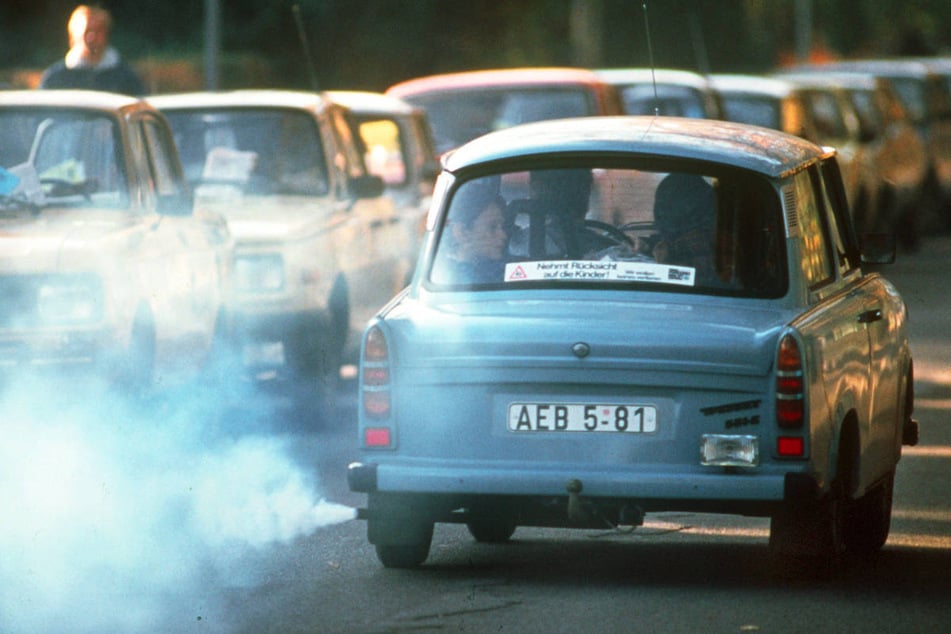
x=180, y=255
x=374, y=246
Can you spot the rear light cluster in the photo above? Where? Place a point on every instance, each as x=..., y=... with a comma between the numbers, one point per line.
x=790, y=399
x=375, y=397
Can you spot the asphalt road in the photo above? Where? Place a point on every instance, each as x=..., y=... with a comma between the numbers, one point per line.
x=197, y=514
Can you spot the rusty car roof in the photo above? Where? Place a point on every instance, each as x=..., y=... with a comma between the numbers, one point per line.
x=761, y=150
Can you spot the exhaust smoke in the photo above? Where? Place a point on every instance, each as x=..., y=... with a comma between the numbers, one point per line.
x=137, y=517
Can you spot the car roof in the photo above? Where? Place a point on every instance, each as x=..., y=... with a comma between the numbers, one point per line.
x=629, y=76
x=366, y=102
x=752, y=84
x=541, y=76
x=244, y=98
x=888, y=67
x=767, y=152
x=77, y=99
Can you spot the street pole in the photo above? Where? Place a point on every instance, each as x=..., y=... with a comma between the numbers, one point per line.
x=212, y=42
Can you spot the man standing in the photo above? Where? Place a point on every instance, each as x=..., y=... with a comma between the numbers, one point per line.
x=91, y=62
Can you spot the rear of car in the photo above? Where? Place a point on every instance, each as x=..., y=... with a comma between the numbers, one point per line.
x=663, y=330
x=463, y=106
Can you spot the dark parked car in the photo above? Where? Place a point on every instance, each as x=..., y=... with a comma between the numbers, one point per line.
x=716, y=348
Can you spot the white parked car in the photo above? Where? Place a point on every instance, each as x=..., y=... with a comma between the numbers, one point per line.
x=103, y=261
x=319, y=248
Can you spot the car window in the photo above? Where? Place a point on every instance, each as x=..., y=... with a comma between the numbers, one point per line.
x=260, y=151
x=462, y=115
x=670, y=100
x=762, y=111
x=76, y=156
x=716, y=233
x=162, y=159
x=816, y=258
x=385, y=150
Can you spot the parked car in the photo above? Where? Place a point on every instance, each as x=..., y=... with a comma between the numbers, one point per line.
x=664, y=91
x=396, y=140
x=318, y=247
x=765, y=101
x=103, y=262
x=889, y=170
x=462, y=106
x=718, y=353
x=926, y=95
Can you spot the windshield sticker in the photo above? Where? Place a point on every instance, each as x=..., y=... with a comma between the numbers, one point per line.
x=596, y=271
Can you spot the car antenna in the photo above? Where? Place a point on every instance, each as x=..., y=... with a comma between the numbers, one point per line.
x=650, y=53
x=302, y=36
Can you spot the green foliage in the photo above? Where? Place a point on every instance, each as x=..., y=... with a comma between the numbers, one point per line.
x=373, y=43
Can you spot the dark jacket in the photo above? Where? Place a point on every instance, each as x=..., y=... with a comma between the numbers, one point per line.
x=118, y=78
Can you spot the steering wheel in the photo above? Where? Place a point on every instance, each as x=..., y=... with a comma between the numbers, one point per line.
x=608, y=231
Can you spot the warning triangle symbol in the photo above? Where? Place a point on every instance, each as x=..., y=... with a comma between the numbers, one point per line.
x=518, y=273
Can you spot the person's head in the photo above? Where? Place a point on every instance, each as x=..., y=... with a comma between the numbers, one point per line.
x=683, y=203
x=563, y=190
x=89, y=29
x=478, y=224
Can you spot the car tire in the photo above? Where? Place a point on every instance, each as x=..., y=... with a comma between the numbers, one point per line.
x=313, y=354
x=868, y=519
x=811, y=530
x=491, y=531
x=402, y=555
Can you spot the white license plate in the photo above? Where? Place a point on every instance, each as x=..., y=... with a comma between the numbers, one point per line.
x=528, y=417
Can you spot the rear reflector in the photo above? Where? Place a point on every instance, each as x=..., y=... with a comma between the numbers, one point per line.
x=376, y=437
x=791, y=447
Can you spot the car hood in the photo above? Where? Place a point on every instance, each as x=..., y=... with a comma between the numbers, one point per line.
x=273, y=218
x=651, y=333
x=54, y=237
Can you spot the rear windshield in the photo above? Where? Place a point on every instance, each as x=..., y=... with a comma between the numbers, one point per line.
x=671, y=231
x=460, y=116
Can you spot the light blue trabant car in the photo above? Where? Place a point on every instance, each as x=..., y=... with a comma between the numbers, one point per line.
x=623, y=315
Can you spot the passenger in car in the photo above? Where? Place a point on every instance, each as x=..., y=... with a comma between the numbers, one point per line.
x=685, y=219
x=478, y=236
x=550, y=224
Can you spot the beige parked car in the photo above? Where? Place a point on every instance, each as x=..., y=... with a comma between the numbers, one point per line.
x=103, y=262
x=318, y=247
x=396, y=140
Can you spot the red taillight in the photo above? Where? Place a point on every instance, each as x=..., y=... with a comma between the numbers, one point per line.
x=375, y=377
x=376, y=437
x=789, y=384
x=790, y=447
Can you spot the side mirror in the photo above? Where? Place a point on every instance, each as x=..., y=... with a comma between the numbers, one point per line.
x=368, y=186
x=878, y=248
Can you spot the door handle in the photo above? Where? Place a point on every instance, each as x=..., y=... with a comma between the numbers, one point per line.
x=870, y=315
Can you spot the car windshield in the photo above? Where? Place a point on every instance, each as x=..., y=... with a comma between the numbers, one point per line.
x=459, y=116
x=754, y=110
x=264, y=151
x=712, y=233
x=669, y=100
x=60, y=156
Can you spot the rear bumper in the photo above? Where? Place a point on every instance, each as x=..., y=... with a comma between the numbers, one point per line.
x=709, y=489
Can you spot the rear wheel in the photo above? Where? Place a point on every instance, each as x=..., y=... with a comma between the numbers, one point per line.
x=492, y=531
x=401, y=544
x=868, y=519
